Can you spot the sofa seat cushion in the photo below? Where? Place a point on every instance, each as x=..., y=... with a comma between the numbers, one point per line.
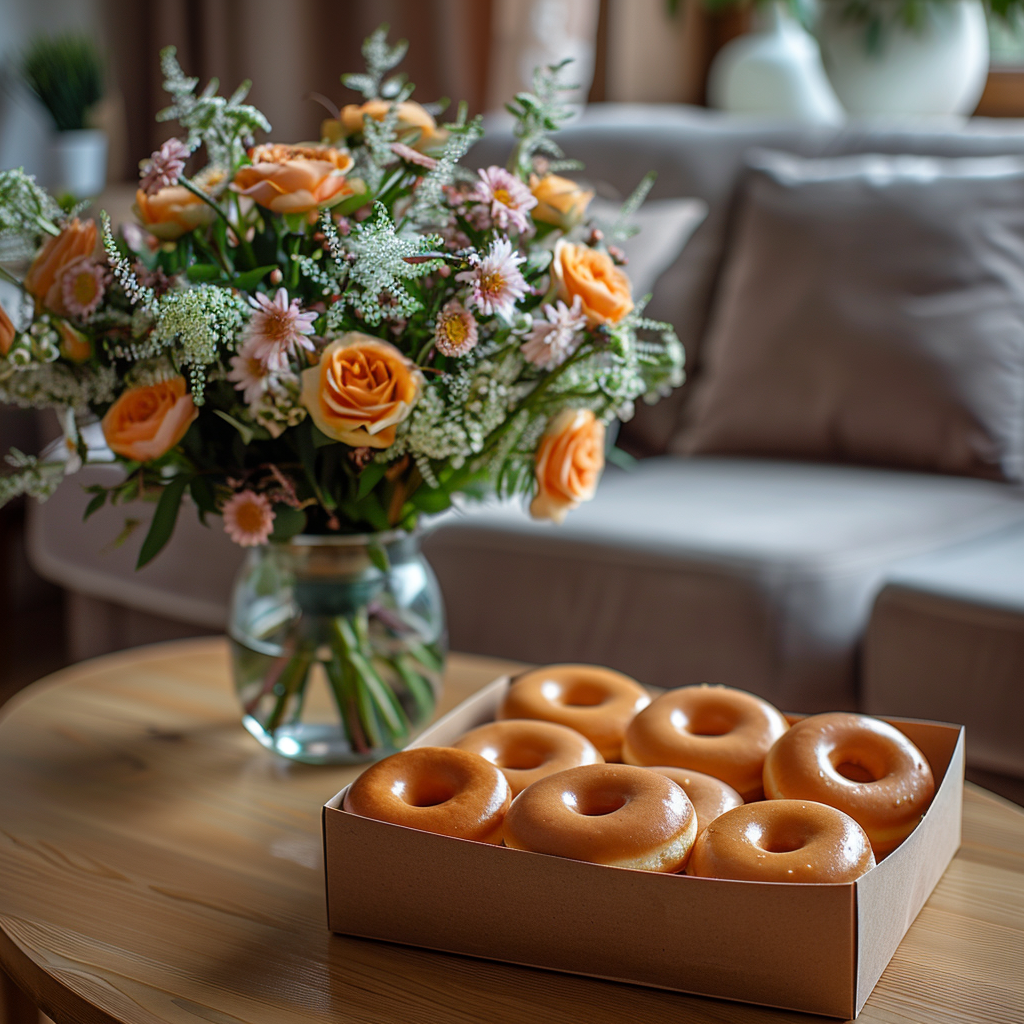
x=754, y=573
x=946, y=642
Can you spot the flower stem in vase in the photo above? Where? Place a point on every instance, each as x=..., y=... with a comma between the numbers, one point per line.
x=291, y=683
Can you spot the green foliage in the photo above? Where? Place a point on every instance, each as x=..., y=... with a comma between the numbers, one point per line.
x=380, y=59
x=66, y=73
x=537, y=114
x=227, y=126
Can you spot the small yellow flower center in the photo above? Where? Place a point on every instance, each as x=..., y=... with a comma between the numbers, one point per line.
x=456, y=330
x=84, y=289
x=249, y=517
x=492, y=283
x=503, y=196
x=256, y=368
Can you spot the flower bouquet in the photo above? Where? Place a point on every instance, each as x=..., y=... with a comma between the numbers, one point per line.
x=321, y=344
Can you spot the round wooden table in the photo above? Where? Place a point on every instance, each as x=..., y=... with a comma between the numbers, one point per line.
x=157, y=865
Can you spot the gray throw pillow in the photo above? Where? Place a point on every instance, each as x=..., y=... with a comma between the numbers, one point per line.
x=871, y=311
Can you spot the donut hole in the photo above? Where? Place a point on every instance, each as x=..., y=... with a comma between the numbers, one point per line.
x=600, y=802
x=704, y=722
x=428, y=792
x=583, y=695
x=855, y=772
x=522, y=758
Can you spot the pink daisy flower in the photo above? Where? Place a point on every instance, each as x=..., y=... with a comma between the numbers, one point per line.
x=249, y=373
x=164, y=167
x=82, y=286
x=508, y=198
x=248, y=518
x=496, y=280
x=276, y=328
x=553, y=340
x=455, y=332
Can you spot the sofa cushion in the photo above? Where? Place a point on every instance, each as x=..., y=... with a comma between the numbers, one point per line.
x=872, y=311
x=699, y=152
x=753, y=573
x=946, y=642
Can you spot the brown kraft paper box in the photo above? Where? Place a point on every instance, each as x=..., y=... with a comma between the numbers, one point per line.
x=817, y=948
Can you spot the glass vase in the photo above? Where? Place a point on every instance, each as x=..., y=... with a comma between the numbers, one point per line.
x=338, y=645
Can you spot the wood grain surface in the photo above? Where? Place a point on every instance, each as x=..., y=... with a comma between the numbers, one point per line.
x=157, y=865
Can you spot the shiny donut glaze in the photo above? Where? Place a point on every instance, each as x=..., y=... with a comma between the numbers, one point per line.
x=596, y=702
x=716, y=730
x=435, y=789
x=782, y=841
x=605, y=813
x=892, y=783
x=527, y=749
x=710, y=796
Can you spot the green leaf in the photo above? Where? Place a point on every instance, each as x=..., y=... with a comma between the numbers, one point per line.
x=164, y=518
x=378, y=555
x=617, y=457
x=431, y=501
x=320, y=439
x=203, y=272
x=130, y=526
x=202, y=494
x=246, y=432
x=98, y=501
x=370, y=477
x=288, y=522
x=248, y=280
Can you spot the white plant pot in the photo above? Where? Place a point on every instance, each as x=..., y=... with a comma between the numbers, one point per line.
x=775, y=71
x=80, y=162
x=940, y=69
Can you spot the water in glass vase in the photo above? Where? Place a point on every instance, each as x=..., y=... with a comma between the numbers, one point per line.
x=337, y=649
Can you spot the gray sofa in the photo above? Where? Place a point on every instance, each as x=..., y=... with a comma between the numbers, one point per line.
x=758, y=572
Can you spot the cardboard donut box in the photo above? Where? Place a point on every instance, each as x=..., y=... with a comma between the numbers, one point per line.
x=817, y=948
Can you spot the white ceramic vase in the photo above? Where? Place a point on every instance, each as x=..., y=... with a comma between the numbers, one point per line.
x=80, y=162
x=938, y=69
x=774, y=71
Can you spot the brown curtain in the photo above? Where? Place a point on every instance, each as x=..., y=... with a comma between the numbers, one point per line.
x=289, y=49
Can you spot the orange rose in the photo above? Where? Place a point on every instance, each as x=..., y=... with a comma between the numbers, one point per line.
x=295, y=179
x=171, y=212
x=74, y=345
x=43, y=279
x=412, y=118
x=559, y=201
x=147, y=421
x=568, y=463
x=7, y=332
x=361, y=388
x=603, y=289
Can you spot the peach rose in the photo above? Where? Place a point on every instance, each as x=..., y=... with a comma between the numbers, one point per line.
x=295, y=179
x=43, y=279
x=604, y=290
x=146, y=422
x=7, y=332
x=568, y=463
x=412, y=117
x=361, y=388
x=74, y=345
x=560, y=201
x=172, y=212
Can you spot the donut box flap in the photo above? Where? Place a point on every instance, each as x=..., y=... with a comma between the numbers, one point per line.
x=816, y=948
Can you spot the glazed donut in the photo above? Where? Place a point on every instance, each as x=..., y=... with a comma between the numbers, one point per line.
x=607, y=814
x=596, y=702
x=527, y=749
x=711, y=729
x=782, y=841
x=861, y=765
x=710, y=796
x=435, y=789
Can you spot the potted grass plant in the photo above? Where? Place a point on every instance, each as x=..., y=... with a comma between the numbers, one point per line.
x=66, y=74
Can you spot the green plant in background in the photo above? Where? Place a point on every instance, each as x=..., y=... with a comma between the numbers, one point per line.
x=66, y=73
